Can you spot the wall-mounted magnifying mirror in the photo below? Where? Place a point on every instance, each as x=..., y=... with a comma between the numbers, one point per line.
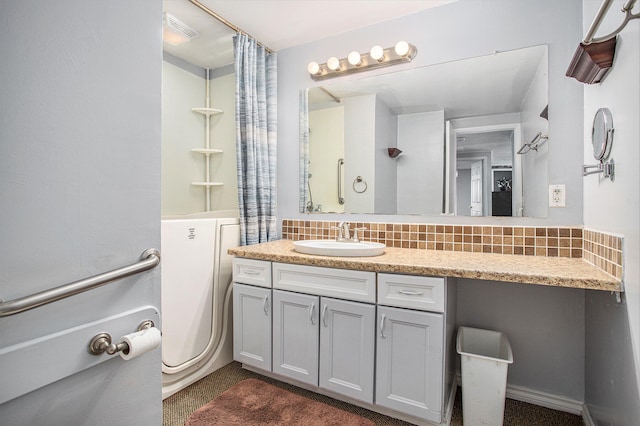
x=602, y=134
x=601, y=140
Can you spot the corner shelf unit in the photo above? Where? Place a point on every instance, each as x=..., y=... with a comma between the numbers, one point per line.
x=208, y=112
x=207, y=151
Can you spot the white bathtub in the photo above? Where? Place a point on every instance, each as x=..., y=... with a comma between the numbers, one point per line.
x=196, y=296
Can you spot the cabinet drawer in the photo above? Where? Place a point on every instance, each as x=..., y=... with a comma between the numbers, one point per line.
x=408, y=291
x=254, y=272
x=339, y=283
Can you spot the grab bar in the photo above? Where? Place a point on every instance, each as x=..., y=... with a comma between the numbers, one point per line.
x=149, y=259
x=340, y=198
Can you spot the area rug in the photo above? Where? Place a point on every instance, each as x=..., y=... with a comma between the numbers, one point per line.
x=254, y=402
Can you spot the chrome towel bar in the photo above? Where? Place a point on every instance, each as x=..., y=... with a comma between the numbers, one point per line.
x=149, y=259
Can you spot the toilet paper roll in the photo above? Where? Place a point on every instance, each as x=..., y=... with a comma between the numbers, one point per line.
x=141, y=342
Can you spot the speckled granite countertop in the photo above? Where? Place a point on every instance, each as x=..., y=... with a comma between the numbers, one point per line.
x=550, y=271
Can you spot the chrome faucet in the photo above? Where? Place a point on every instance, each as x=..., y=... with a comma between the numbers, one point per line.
x=344, y=233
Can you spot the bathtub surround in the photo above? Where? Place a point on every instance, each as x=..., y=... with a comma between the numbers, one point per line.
x=256, y=139
x=183, y=88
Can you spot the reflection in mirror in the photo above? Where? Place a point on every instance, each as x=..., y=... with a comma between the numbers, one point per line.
x=458, y=136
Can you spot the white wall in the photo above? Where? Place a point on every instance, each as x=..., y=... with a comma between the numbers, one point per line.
x=326, y=146
x=385, y=167
x=535, y=163
x=613, y=329
x=420, y=169
x=463, y=192
x=223, y=136
x=183, y=130
x=359, y=153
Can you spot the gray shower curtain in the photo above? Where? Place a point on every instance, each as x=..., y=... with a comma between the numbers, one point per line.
x=256, y=111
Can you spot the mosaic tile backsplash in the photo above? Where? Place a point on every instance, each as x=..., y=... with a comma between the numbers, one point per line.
x=603, y=250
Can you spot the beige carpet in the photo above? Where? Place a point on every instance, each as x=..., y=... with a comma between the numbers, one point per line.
x=254, y=402
x=177, y=408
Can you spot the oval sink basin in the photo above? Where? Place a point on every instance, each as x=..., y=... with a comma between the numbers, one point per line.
x=339, y=248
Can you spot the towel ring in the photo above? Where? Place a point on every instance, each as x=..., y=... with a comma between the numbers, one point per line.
x=359, y=180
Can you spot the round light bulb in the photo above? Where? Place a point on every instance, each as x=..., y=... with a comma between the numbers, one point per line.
x=377, y=53
x=354, y=58
x=333, y=63
x=402, y=48
x=313, y=68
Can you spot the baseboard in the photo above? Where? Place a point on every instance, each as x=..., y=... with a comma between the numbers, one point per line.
x=586, y=416
x=542, y=399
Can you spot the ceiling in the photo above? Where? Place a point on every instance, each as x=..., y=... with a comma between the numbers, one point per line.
x=277, y=24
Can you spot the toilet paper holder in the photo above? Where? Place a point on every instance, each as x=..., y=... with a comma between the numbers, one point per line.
x=101, y=342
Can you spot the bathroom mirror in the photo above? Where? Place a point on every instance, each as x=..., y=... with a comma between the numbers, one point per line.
x=445, y=119
x=602, y=134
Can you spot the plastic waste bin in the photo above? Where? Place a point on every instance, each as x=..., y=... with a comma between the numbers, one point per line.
x=486, y=356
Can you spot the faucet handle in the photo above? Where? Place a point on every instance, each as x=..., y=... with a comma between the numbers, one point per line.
x=339, y=236
x=355, y=237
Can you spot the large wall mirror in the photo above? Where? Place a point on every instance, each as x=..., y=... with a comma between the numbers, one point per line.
x=439, y=139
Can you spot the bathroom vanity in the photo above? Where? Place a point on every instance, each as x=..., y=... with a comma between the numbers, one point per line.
x=378, y=331
x=339, y=333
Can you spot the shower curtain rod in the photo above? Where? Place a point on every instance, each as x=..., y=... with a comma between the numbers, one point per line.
x=227, y=23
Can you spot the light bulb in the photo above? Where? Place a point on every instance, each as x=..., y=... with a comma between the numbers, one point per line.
x=313, y=68
x=354, y=58
x=377, y=53
x=402, y=48
x=333, y=63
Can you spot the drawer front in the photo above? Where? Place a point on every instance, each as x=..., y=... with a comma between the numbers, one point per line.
x=253, y=272
x=339, y=283
x=408, y=291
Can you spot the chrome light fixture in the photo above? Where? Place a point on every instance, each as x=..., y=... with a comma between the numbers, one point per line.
x=356, y=62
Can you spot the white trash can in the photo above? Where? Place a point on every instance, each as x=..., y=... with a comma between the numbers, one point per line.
x=486, y=356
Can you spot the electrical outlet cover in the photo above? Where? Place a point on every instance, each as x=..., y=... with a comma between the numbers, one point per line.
x=557, y=197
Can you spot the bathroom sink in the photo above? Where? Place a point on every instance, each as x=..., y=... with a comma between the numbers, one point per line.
x=339, y=248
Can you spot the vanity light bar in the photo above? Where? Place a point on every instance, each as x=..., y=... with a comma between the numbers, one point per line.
x=377, y=57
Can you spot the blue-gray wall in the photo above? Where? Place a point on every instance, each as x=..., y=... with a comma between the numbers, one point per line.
x=464, y=29
x=612, y=328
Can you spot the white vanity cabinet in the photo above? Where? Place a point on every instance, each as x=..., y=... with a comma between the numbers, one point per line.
x=409, y=346
x=411, y=339
x=325, y=341
x=296, y=336
x=382, y=341
x=347, y=348
x=252, y=325
x=252, y=313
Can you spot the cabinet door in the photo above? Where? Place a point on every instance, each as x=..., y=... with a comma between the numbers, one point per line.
x=347, y=348
x=252, y=325
x=409, y=362
x=295, y=336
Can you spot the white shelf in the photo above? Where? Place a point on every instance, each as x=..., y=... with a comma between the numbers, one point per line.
x=207, y=184
x=207, y=111
x=206, y=151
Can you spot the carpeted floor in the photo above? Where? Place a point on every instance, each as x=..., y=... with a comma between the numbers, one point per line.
x=178, y=407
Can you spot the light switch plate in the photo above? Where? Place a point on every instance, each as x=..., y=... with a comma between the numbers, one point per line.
x=557, y=197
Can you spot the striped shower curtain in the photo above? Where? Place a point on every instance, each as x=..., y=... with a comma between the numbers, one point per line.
x=256, y=110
